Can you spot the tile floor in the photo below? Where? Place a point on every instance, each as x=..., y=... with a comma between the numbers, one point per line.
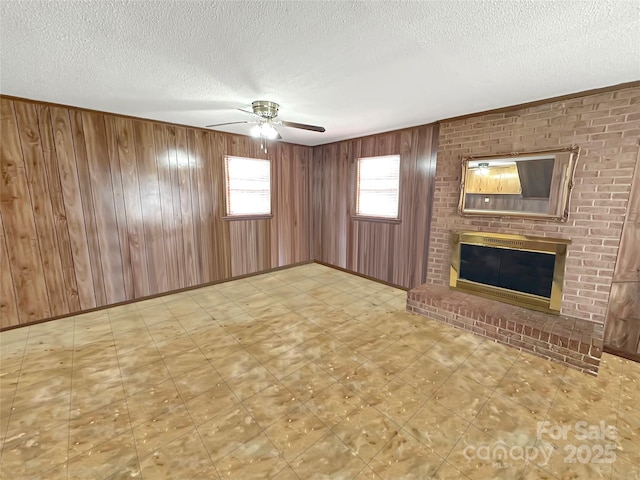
x=305, y=373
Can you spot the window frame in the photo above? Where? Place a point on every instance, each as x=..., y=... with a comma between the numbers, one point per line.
x=377, y=218
x=245, y=216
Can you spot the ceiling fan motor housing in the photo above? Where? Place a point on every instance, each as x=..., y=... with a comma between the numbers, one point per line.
x=265, y=109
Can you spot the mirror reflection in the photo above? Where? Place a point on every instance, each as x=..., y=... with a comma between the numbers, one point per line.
x=535, y=184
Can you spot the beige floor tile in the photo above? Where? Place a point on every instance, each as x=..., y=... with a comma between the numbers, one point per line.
x=530, y=385
x=448, y=472
x=366, y=379
x=211, y=403
x=340, y=362
x=156, y=432
x=42, y=417
x=286, y=363
x=271, y=404
x=143, y=378
x=365, y=431
x=97, y=427
x=34, y=452
x=296, y=431
x=426, y=374
x=367, y=474
x=398, y=400
x=508, y=421
x=487, y=365
x=184, y=362
x=12, y=336
x=308, y=381
x=329, y=457
x=44, y=391
x=153, y=401
x=298, y=374
x=197, y=381
x=175, y=345
x=139, y=357
x=480, y=456
x=333, y=404
x=436, y=427
x=623, y=470
x=395, y=358
x=462, y=395
x=255, y=459
x=227, y=431
x=251, y=382
x=286, y=473
x=564, y=461
x=449, y=352
x=407, y=458
x=184, y=457
x=299, y=332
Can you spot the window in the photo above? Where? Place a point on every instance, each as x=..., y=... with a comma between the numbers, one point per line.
x=378, y=186
x=248, y=184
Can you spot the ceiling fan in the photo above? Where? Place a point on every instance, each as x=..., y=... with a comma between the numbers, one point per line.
x=264, y=113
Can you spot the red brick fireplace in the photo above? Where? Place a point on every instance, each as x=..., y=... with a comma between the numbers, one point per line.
x=604, y=127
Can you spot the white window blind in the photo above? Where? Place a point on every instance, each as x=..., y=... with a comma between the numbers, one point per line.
x=378, y=186
x=248, y=182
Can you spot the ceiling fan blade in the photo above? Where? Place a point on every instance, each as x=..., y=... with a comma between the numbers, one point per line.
x=302, y=126
x=278, y=137
x=251, y=113
x=227, y=123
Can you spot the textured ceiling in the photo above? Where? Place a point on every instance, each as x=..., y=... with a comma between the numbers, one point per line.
x=355, y=68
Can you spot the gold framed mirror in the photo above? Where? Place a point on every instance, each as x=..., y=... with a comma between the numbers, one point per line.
x=534, y=184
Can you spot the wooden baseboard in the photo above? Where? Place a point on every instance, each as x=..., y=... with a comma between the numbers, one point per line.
x=149, y=297
x=635, y=357
x=373, y=279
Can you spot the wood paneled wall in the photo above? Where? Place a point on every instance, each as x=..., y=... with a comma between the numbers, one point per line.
x=622, y=326
x=97, y=209
x=392, y=252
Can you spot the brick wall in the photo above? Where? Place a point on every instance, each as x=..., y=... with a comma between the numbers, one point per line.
x=607, y=128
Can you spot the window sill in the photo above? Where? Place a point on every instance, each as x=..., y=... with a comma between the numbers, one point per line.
x=248, y=217
x=361, y=218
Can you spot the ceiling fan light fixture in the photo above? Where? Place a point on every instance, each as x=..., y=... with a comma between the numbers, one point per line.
x=255, y=131
x=268, y=131
x=264, y=130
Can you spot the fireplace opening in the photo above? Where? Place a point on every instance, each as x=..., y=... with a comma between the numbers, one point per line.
x=526, y=271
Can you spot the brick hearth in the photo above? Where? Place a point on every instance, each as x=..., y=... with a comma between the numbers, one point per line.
x=567, y=340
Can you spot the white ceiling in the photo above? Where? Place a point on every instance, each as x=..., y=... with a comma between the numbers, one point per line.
x=355, y=68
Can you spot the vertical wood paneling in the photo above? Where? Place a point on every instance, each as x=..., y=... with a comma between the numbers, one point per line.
x=388, y=251
x=166, y=202
x=84, y=180
x=104, y=206
x=204, y=178
x=71, y=195
x=119, y=207
x=32, y=151
x=63, y=242
x=195, y=163
x=174, y=182
x=96, y=209
x=8, y=301
x=186, y=207
x=252, y=238
x=151, y=208
x=221, y=228
x=622, y=325
x=19, y=224
x=291, y=205
x=131, y=195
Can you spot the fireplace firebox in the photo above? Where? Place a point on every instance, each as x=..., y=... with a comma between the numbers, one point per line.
x=521, y=270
